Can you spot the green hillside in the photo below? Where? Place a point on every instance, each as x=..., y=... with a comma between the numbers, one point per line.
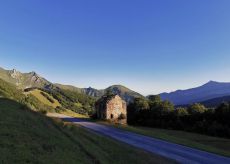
x=69, y=87
x=45, y=98
x=72, y=100
x=79, y=100
x=29, y=137
x=10, y=91
x=12, y=84
x=23, y=80
x=33, y=80
x=212, y=103
x=127, y=94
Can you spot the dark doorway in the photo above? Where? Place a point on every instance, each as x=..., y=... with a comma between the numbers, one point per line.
x=111, y=116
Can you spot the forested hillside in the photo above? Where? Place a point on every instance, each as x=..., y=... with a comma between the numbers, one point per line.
x=195, y=118
x=10, y=91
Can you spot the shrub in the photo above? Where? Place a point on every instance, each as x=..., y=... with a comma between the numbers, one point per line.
x=47, y=97
x=59, y=109
x=181, y=111
x=93, y=116
x=43, y=112
x=122, y=116
x=197, y=118
x=197, y=108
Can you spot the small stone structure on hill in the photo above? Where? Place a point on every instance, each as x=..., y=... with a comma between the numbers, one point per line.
x=113, y=108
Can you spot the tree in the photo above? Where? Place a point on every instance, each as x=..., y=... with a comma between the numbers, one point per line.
x=109, y=93
x=122, y=116
x=141, y=104
x=224, y=108
x=135, y=108
x=181, y=111
x=154, y=98
x=197, y=108
x=167, y=106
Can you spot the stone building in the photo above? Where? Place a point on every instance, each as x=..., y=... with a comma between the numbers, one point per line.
x=112, y=108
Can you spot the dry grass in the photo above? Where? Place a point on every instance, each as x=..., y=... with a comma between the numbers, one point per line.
x=44, y=100
x=73, y=114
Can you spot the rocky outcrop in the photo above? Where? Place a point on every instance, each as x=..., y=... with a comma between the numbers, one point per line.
x=23, y=80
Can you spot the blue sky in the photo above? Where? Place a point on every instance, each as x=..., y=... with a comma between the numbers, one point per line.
x=150, y=46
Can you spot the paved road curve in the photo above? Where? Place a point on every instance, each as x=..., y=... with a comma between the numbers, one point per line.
x=176, y=152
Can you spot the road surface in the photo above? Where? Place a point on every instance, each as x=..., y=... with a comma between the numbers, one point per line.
x=182, y=154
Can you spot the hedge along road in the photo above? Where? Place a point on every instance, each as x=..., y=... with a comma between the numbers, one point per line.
x=180, y=153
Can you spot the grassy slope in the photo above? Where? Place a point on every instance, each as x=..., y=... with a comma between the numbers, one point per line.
x=29, y=137
x=23, y=80
x=122, y=90
x=69, y=87
x=211, y=144
x=6, y=76
x=73, y=114
x=44, y=100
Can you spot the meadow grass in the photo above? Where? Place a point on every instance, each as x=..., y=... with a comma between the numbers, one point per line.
x=43, y=99
x=73, y=114
x=30, y=137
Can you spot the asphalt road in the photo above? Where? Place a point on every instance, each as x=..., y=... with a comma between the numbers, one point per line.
x=169, y=150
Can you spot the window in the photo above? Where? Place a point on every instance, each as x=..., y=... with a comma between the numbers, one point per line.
x=111, y=116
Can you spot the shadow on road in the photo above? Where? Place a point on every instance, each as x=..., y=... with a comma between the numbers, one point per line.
x=67, y=119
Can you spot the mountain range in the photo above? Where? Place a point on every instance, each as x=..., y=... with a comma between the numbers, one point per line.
x=210, y=90
x=210, y=94
x=33, y=80
x=123, y=91
x=23, y=80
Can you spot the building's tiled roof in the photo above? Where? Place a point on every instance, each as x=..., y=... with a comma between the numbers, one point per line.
x=105, y=99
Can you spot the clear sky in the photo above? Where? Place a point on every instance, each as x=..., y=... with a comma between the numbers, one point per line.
x=150, y=46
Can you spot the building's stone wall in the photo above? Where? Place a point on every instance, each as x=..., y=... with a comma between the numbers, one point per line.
x=115, y=107
x=101, y=111
x=112, y=110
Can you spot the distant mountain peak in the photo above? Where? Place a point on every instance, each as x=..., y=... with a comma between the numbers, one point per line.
x=15, y=74
x=210, y=90
x=218, y=83
x=212, y=82
x=23, y=80
x=33, y=73
x=14, y=70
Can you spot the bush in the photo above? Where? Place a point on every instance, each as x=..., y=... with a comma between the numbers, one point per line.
x=197, y=108
x=197, y=118
x=68, y=99
x=43, y=112
x=94, y=116
x=47, y=97
x=59, y=109
x=122, y=116
x=181, y=111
